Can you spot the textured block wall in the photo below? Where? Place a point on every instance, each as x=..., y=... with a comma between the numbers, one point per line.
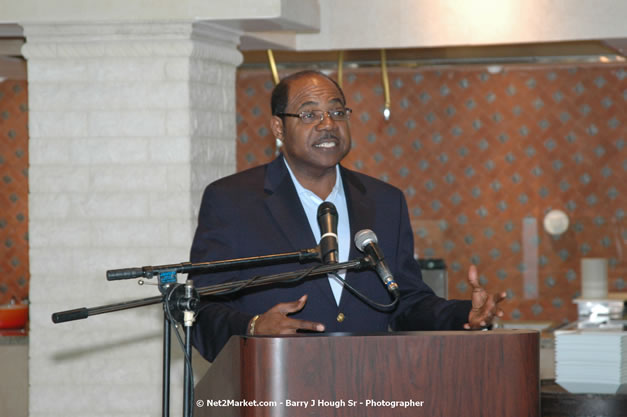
x=122, y=121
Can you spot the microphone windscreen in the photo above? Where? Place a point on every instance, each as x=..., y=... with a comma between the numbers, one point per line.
x=326, y=208
x=364, y=237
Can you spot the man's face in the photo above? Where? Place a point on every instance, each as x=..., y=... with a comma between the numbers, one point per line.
x=313, y=148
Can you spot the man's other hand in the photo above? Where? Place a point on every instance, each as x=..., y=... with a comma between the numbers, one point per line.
x=484, y=306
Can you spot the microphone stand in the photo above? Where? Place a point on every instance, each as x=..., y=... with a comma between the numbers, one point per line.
x=181, y=301
x=206, y=267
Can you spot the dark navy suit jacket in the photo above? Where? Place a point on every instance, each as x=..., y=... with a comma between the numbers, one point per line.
x=258, y=212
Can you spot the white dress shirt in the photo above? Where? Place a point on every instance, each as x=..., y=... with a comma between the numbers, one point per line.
x=310, y=202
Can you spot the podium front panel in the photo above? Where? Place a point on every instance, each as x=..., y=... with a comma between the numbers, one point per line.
x=446, y=374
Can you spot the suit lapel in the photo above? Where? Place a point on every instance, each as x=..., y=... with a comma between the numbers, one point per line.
x=285, y=206
x=361, y=212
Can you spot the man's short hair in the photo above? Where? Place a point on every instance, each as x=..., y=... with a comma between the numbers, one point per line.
x=280, y=93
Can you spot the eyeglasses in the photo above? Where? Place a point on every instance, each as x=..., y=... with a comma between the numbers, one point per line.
x=316, y=116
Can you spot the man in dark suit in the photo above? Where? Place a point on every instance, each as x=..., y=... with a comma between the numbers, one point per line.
x=269, y=209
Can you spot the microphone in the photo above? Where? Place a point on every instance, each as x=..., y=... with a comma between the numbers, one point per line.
x=366, y=241
x=327, y=221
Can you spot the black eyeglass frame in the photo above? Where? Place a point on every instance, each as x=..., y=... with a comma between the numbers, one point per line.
x=323, y=114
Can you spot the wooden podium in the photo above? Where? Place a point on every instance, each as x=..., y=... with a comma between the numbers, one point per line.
x=448, y=374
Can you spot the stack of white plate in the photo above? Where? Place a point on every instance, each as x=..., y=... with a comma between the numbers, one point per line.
x=591, y=360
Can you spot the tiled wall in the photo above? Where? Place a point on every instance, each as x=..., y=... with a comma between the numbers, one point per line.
x=13, y=191
x=481, y=158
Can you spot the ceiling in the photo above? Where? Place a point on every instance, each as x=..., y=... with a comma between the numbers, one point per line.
x=13, y=65
x=538, y=53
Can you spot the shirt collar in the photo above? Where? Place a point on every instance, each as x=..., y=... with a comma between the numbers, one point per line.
x=338, y=188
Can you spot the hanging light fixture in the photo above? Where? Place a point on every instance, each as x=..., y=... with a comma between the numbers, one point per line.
x=386, y=85
x=275, y=77
x=340, y=68
x=275, y=73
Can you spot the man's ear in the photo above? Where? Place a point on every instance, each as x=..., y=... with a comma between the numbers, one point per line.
x=276, y=125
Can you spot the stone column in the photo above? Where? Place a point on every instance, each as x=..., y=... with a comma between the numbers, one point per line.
x=128, y=122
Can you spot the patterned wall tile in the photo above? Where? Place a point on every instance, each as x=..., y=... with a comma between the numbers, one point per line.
x=14, y=274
